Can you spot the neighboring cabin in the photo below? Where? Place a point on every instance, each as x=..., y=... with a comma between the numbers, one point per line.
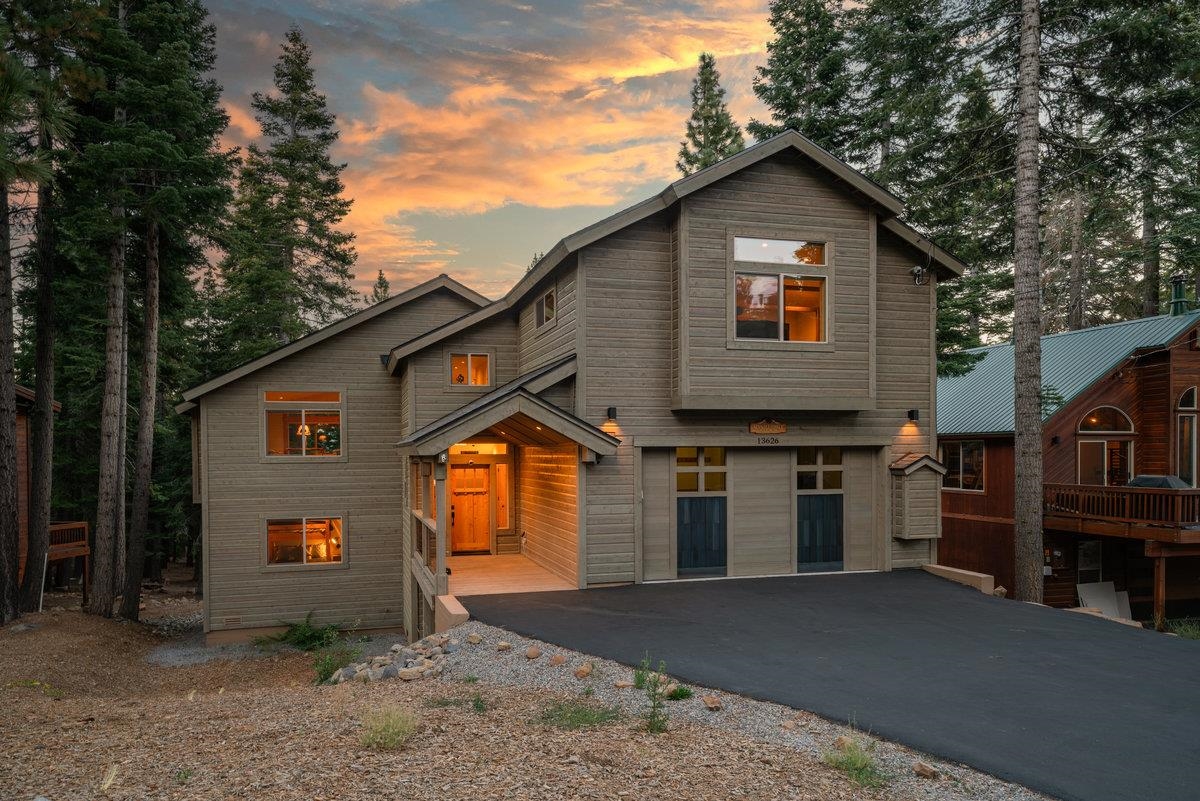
x=1127, y=395
x=735, y=377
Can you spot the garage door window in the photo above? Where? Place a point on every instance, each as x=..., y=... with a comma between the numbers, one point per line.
x=700, y=470
x=819, y=469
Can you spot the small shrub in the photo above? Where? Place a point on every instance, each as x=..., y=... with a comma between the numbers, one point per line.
x=859, y=764
x=183, y=775
x=471, y=679
x=589, y=691
x=680, y=692
x=45, y=688
x=578, y=715
x=641, y=672
x=303, y=635
x=478, y=704
x=332, y=659
x=388, y=729
x=656, y=693
x=1188, y=627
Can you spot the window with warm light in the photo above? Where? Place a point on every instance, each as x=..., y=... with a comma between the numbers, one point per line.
x=1105, y=419
x=305, y=541
x=774, y=304
x=303, y=424
x=470, y=369
x=700, y=470
x=819, y=469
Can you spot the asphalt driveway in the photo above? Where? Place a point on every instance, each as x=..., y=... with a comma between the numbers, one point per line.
x=1075, y=707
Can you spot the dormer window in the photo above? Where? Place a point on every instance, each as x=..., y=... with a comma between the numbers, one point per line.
x=775, y=304
x=470, y=369
x=544, y=310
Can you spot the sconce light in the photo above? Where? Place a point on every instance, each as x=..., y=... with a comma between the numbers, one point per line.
x=443, y=457
x=1054, y=440
x=920, y=275
x=612, y=413
x=914, y=415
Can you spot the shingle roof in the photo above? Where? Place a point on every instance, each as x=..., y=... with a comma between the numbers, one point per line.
x=981, y=401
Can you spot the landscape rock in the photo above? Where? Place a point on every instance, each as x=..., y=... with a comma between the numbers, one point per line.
x=788, y=725
x=503, y=646
x=925, y=770
x=623, y=684
x=408, y=674
x=583, y=671
x=474, y=639
x=533, y=652
x=712, y=702
x=558, y=659
x=843, y=743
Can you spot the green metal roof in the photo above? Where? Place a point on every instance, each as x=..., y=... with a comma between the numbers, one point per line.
x=981, y=401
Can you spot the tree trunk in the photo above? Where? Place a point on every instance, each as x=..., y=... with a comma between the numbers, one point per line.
x=1075, y=313
x=1027, y=323
x=109, y=497
x=120, y=530
x=144, y=450
x=41, y=440
x=1150, y=251
x=10, y=518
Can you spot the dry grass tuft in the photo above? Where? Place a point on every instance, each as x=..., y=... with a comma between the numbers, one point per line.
x=388, y=729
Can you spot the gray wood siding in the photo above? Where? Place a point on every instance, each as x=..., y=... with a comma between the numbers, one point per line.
x=658, y=540
x=786, y=194
x=433, y=395
x=761, y=517
x=916, y=512
x=628, y=313
x=548, y=490
x=561, y=395
x=863, y=526
x=367, y=488
x=538, y=347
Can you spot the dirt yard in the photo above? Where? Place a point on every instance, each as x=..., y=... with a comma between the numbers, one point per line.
x=83, y=715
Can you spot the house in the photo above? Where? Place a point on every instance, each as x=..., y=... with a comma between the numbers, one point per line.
x=1120, y=403
x=713, y=382
x=68, y=540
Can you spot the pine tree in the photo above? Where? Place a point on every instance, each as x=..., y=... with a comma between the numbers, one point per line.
x=806, y=81
x=380, y=290
x=712, y=134
x=287, y=266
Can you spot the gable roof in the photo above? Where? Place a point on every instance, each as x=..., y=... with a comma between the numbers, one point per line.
x=981, y=401
x=514, y=411
x=871, y=192
x=443, y=281
x=910, y=463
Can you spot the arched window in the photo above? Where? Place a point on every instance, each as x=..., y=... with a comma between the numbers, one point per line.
x=1105, y=420
x=1188, y=399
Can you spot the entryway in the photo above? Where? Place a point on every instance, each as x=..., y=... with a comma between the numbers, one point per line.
x=502, y=573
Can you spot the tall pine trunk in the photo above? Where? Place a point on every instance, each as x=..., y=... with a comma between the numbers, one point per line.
x=1075, y=313
x=41, y=441
x=144, y=450
x=10, y=519
x=121, y=540
x=110, y=497
x=1150, y=251
x=1027, y=318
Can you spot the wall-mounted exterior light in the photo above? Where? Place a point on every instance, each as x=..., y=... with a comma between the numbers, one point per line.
x=612, y=413
x=914, y=415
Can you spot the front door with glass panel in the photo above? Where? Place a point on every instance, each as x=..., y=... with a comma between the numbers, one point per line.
x=701, y=512
x=470, y=505
x=819, y=535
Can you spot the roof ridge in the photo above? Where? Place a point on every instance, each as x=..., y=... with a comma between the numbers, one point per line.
x=1008, y=343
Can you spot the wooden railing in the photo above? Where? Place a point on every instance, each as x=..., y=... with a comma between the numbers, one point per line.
x=1142, y=505
x=68, y=536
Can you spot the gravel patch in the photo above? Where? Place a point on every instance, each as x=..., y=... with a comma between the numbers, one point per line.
x=800, y=731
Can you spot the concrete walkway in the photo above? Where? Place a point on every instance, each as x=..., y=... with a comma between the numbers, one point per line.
x=1075, y=707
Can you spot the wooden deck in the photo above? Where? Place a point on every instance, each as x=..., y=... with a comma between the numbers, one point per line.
x=1165, y=515
x=502, y=573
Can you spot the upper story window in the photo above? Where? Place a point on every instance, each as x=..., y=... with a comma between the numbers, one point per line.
x=964, y=465
x=544, y=309
x=470, y=369
x=303, y=423
x=775, y=304
x=1188, y=399
x=1106, y=420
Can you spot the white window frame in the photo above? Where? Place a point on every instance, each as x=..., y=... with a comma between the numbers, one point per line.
x=265, y=406
x=540, y=321
x=271, y=567
x=826, y=272
x=490, y=355
x=1131, y=431
x=958, y=443
x=1125, y=437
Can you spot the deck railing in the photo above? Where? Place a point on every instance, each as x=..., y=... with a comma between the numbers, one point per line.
x=1143, y=505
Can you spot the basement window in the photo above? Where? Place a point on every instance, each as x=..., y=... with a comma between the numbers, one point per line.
x=305, y=541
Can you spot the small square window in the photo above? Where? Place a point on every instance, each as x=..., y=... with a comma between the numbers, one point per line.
x=470, y=370
x=714, y=482
x=831, y=479
x=687, y=482
x=806, y=480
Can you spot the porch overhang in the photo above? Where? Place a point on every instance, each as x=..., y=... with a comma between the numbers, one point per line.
x=520, y=417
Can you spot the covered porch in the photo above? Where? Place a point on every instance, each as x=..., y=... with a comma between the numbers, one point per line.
x=495, y=496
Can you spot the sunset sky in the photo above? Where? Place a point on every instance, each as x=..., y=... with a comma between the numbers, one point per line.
x=478, y=133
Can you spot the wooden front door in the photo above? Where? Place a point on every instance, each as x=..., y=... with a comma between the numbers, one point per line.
x=470, y=506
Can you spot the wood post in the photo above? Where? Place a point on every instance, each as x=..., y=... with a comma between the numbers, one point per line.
x=441, y=580
x=1160, y=593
